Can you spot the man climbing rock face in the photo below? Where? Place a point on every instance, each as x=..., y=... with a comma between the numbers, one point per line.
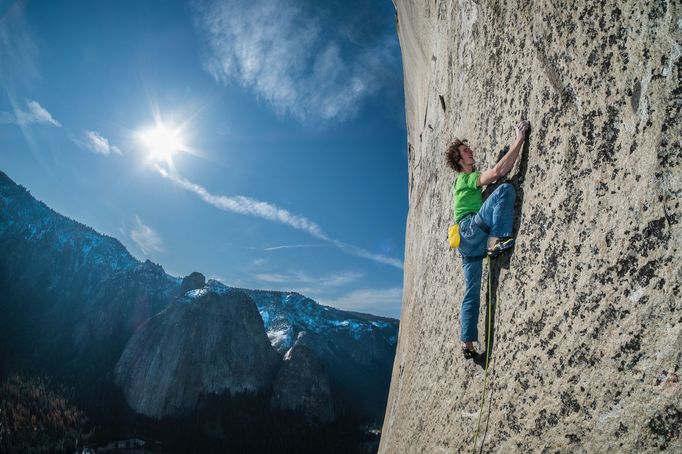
x=484, y=227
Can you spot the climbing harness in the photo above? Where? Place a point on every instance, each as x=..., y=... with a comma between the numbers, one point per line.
x=487, y=354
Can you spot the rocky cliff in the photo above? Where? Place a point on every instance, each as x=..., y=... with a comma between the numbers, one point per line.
x=356, y=349
x=205, y=342
x=302, y=384
x=70, y=297
x=587, y=336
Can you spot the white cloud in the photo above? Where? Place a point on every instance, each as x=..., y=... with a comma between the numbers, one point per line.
x=315, y=287
x=273, y=278
x=96, y=143
x=146, y=238
x=342, y=278
x=385, y=302
x=248, y=206
x=323, y=283
x=288, y=56
x=293, y=246
x=359, y=252
x=35, y=114
x=259, y=262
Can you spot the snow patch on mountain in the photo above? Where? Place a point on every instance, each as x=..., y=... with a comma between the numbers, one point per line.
x=196, y=293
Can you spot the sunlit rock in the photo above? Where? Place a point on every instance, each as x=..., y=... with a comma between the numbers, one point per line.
x=204, y=343
x=587, y=320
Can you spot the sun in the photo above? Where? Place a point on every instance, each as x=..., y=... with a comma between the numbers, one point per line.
x=161, y=142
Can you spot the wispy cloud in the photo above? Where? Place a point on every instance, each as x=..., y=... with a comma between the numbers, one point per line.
x=146, y=238
x=34, y=114
x=259, y=262
x=273, y=278
x=342, y=278
x=375, y=301
x=316, y=287
x=293, y=246
x=296, y=278
x=359, y=252
x=246, y=205
x=95, y=142
x=265, y=210
x=18, y=51
x=294, y=59
x=19, y=70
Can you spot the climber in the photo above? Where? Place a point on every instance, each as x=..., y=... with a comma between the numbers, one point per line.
x=480, y=221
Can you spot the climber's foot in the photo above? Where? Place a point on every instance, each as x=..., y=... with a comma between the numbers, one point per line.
x=500, y=245
x=469, y=350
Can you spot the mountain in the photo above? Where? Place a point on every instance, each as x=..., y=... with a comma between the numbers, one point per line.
x=203, y=343
x=75, y=304
x=69, y=293
x=586, y=327
x=302, y=384
x=356, y=350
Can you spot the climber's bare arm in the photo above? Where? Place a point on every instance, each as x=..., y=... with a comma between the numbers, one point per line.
x=506, y=164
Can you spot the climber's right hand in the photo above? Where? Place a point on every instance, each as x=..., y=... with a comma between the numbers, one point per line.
x=521, y=129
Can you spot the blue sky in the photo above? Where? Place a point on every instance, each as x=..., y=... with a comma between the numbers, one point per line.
x=285, y=120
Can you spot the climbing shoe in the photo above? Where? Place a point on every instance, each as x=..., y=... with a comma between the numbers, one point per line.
x=468, y=354
x=501, y=245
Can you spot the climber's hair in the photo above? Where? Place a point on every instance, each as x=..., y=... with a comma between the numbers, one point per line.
x=452, y=156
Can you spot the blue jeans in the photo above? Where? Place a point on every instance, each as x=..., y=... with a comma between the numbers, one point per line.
x=497, y=213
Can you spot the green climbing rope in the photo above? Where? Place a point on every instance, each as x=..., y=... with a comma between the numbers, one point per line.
x=487, y=353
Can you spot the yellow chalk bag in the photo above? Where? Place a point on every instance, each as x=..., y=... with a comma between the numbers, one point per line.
x=453, y=236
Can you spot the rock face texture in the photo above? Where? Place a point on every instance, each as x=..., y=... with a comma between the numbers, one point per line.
x=302, y=384
x=587, y=336
x=204, y=343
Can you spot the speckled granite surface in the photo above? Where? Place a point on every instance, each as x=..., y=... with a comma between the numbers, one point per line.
x=588, y=344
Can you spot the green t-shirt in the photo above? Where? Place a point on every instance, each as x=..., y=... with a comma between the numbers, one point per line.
x=466, y=196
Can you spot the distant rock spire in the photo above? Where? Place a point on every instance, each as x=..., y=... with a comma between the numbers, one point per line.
x=194, y=281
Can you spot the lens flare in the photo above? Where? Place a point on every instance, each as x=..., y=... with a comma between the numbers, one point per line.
x=162, y=142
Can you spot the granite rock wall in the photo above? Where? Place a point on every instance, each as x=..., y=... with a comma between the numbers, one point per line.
x=204, y=343
x=587, y=338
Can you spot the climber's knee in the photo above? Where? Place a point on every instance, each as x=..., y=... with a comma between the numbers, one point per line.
x=507, y=187
x=507, y=191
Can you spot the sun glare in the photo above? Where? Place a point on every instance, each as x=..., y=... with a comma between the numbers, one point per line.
x=161, y=142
